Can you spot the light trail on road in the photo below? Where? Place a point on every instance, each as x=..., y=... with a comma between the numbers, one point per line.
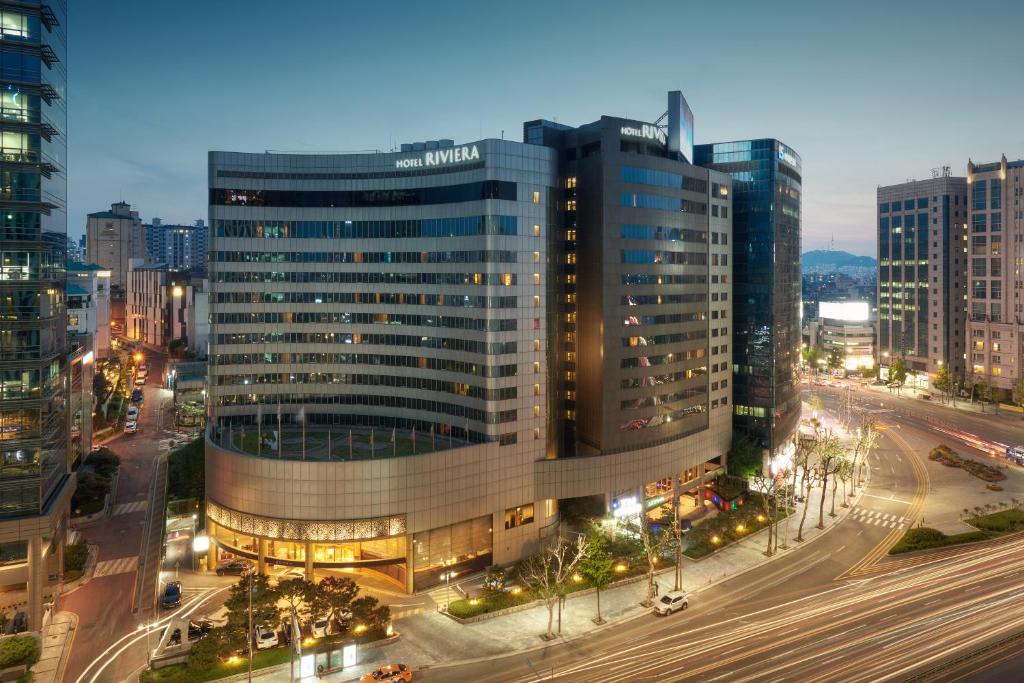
x=133, y=637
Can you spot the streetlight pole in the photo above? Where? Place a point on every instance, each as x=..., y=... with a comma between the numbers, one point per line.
x=249, y=634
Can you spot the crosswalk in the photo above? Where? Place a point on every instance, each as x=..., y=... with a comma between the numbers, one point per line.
x=878, y=518
x=121, y=565
x=128, y=508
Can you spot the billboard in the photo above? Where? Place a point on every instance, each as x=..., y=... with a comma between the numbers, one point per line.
x=850, y=311
x=680, y=126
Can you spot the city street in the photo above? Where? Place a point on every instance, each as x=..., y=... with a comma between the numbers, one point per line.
x=115, y=599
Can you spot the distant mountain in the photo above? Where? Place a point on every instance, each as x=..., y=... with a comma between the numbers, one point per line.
x=839, y=259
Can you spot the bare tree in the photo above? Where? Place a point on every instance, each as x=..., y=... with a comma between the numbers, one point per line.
x=803, y=463
x=653, y=543
x=866, y=441
x=677, y=543
x=829, y=451
x=767, y=486
x=845, y=473
x=841, y=463
x=547, y=573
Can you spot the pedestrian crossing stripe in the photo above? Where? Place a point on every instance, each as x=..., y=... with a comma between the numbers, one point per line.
x=121, y=565
x=128, y=508
x=399, y=613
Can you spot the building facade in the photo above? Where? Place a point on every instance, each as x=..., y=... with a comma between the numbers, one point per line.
x=113, y=239
x=766, y=185
x=37, y=469
x=89, y=307
x=995, y=303
x=180, y=247
x=922, y=276
x=845, y=326
x=400, y=342
x=158, y=304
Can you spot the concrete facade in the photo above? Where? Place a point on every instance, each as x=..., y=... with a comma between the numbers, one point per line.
x=425, y=293
x=995, y=305
x=922, y=275
x=89, y=306
x=113, y=239
x=158, y=304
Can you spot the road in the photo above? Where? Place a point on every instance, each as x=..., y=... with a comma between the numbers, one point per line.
x=840, y=609
x=105, y=604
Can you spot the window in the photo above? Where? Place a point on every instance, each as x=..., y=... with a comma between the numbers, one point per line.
x=922, y=203
x=883, y=208
x=978, y=195
x=536, y=230
x=518, y=516
x=13, y=25
x=908, y=205
x=536, y=197
x=507, y=439
x=996, y=196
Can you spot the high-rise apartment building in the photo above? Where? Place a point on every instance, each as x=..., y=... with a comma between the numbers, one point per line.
x=410, y=353
x=36, y=471
x=766, y=199
x=114, y=238
x=922, y=276
x=179, y=247
x=995, y=297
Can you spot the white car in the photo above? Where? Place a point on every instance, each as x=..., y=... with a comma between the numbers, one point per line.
x=670, y=602
x=133, y=413
x=321, y=628
x=131, y=426
x=266, y=638
x=291, y=573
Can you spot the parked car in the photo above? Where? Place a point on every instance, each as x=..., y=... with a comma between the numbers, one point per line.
x=266, y=638
x=20, y=622
x=140, y=381
x=172, y=595
x=131, y=426
x=198, y=629
x=670, y=602
x=321, y=628
x=234, y=568
x=291, y=573
x=133, y=412
x=392, y=673
x=138, y=396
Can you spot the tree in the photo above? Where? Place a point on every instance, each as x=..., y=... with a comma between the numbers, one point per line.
x=264, y=609
x=898, y=373
x=811, y=356
x=368, y=612
x=829, y=451
x=299, y=594
x=653, y=541
x=867, y=441
x=744, y=459
x=808, y=477
x=844, y=474
x=839, y=474
x=100, y=385
x=817, y=406
x=1018, y=395
x=596, y=567
x=333, y=598
x=767, y=487
x=944, y=380
x=547, y=573
x=836, y=358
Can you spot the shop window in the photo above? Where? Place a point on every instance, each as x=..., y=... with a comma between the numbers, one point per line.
x=518, y=516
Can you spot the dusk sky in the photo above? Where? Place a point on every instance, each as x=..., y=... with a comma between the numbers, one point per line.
x=867, y=93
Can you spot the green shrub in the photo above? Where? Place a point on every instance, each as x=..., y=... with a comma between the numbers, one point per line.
x=922, y=538
x=186, y=472
x=18, y=650
x=1005, y=522
x=75, y=556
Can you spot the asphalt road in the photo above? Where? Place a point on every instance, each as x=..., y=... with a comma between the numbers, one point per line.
x=104, y=604
x=840, y=609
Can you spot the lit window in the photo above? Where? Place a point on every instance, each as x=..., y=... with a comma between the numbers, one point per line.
x=536, y=230
x=536, y=197
x=536, y=278
x=536, y=257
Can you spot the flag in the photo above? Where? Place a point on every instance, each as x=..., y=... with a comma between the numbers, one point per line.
x=301, y=417
x=392, y=435
x=350, y=444
x=394, y=443
x=433, y=447
x=414, y=440
x=279, y=434
x=371, y=438
x=328, y=443
x=259, y=429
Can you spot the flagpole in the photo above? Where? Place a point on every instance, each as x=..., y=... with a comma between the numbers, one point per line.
x=328, y=443
x=303, y=436
x=350, y=444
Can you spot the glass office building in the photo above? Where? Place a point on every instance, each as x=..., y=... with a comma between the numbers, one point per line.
x=35, y=469
x=766, y=178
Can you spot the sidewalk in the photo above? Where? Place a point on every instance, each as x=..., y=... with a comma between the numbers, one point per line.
x=57, y=638
x=1006, y=411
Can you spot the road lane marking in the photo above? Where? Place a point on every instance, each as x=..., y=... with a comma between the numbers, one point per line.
x=128, y=508
x=894, y=500
x=121, y=565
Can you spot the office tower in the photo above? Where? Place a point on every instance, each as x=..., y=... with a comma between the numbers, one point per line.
x=442, y=332
x=766, y=337
x=922, y=276
x=36, y=480
x=995, y=306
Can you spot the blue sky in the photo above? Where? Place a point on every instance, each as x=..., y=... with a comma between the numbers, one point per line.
x=868, y=93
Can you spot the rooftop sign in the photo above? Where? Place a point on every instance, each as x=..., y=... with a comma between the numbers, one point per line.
x=441, y=157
